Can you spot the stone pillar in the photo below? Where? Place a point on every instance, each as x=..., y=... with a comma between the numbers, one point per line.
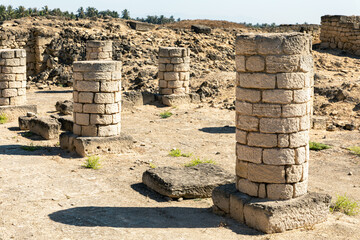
x=12, y=77
x=98, y=50
x=174, y=67
x=273, y=108
x=97, y=98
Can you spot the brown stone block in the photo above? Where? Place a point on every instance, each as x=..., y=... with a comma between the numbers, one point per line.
x=266, y=173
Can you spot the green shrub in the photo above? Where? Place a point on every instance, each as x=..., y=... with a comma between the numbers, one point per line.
x=177, y=153
x=166, y=114
x=345, y=205
x=198, y=161
x=30, y=148
x=3, y=118
x=92, y=162
x=355, y=150
x=318, y=146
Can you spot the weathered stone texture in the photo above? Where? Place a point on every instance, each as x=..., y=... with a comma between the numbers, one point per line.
x=273, y=97
x=97, y=105
x=12, y=77
x=98, y=50
x=174, y=67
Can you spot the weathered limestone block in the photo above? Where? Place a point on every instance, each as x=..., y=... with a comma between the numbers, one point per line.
x=48, y=128
x=98, y=50
x=188, y=182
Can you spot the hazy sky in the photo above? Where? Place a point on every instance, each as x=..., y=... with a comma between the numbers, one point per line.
x=254, y=11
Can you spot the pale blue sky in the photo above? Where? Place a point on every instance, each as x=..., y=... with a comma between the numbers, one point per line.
x=254, y=11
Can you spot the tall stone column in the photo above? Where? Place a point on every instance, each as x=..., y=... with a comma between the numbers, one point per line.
x=273, y=108
x=174, y=67
x=98, y=50
x=12, y=77
x=97, y=98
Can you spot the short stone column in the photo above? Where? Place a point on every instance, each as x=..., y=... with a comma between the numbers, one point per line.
x=12, y=77
x=174, y=67
x=97, y=98
x=273, y=108
x=98, y=50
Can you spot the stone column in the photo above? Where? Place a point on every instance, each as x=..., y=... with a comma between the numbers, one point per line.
x=273, y=108
x=97, y=98
x=174, y=67
x=98, y=50
x=12, y=77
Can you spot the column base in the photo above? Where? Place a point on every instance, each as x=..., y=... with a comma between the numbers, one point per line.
x=271, y=216
x=85, y=146
x=176, y=100
x=13, y=112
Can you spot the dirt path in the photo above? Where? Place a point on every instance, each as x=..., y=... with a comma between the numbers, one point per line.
x=46, y=194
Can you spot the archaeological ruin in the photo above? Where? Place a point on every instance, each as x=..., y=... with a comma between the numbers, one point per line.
x=98, y=50
x=273, y=107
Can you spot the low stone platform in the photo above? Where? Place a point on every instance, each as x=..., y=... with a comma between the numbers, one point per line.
x=48, y=128
x=271, y=216
x=187, y=182
x=85, y=146
x=176, y=100
x=14, y=112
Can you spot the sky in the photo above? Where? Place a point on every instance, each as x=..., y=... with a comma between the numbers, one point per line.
x=250, y=11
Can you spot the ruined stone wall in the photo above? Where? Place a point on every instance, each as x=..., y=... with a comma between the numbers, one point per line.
x=273, y=108
x=98, y=50
x=174, y=70
x=342, y=32
x=12, y=77
x=97, y=98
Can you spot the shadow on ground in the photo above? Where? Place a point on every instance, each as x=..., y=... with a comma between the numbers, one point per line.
x=147, y=217
x=225, y=129
x=55, y=91
x=34, y=150
x=145, y=191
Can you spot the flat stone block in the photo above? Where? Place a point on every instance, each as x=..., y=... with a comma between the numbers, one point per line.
x=24, y=122
x=273, y=216
x=187, y=182
x=66, y=122
x=85, y=146
x=176, y=100
x=14, y=112
x=48, y=128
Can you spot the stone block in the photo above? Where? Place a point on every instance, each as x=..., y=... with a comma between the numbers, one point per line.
x=89, y=131
x=296, y=44
x=279, y=156
x=269, y=44
x=248, y=187
x=279, y=125
x=255, y=64
x=299, y=139
x=240, y=63
x=82, y=119
x=94, y=108
x=96, y=66
x=221, y=196
x=243, y=108
x=261, y=173
x=87, y=86
x=302, y=96
x=86, y=97
x=262, y=140
x=247, y=123
x=141, y=26
x=294, y=110
x=48, y=128
x=257, y=80
x=249, y=95
x=241, y=136
x=291, y=80
x=104, y=97
x=300, y=155
x=293, y=173
x=201, y=29
x=97, y=76
x=277, y=96
x=279, y=216
x=283, y=140
x=187, y=182
x=266, y=110
x=112, y=108
x=108, y=130
x=280, y=191
x=24, y=122
x=300, y=188
x=176, y=100
x=241, y=169
x=237, y=202
x=249, y=154
x=282, y=64
x=245, y=44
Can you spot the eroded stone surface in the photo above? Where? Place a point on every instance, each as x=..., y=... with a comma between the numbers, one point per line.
x=188, y=182
x=48, y=128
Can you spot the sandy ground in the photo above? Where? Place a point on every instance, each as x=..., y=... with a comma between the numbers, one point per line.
x=47, y=194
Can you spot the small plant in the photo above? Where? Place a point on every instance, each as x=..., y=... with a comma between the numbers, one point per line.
x=152, y=165
x=318, y=146
x=177, y=153
x=355, y=150
x=198, y=161
x=345, y=205
x=92, y=162
x=3, y=118
x=166, y=114
x=30, y=148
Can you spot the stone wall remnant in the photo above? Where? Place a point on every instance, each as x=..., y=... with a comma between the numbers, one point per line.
x=98, y=50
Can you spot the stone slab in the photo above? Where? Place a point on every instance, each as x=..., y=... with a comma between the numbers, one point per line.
x=67, y=122
x=176, y=100
x=85, y=146
x=14, y=112
x=271, y=216
x=187, y=182
x=141, y=26
x=48, y=128
x=24, y=122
